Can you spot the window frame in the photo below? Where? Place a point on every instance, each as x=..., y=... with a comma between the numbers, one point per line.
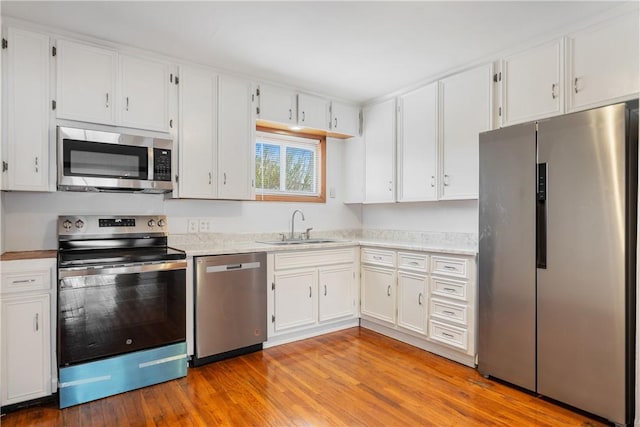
x=321, y=171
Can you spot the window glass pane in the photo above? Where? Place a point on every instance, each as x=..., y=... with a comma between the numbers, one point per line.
x=300, y=170
x=267, y=166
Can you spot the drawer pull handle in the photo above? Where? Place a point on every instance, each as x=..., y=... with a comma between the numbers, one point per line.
x=413, y=263
x=309, y=291
x=449, y=289
x=389, y=290
x=37, y=323
x=420, y=298
x=447, y=335
x=450, y=313
x=377, y=258
x=449, y=267
x=24, y=281
x=325, y=290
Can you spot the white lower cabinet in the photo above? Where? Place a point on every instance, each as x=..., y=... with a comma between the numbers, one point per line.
x=295, y=299
x=424, y=299
x=412, y=301
x=378, y=286
x=312, y=292
x=27, y=362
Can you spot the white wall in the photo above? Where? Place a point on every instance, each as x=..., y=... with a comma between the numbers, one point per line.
x=460, y=216
x=29, y=219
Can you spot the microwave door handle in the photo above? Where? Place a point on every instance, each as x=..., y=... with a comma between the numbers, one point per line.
x=151, y=165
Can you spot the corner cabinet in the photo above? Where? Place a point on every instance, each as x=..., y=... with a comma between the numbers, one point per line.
x=311, y=293
x=27, y=109
x=27, y=300
x=424, y=299
x=379, y=152
x=603, y=63
x=465, y=110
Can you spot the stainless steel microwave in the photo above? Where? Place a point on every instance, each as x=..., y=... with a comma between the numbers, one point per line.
x=96, y=160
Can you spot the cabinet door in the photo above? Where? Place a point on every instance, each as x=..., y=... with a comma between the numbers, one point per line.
x=335, y=286
x=603, y=63
x=378, y=287
x=86, y=80
x=532, y=84
x=295, y=299
x=379, y=152
x=144, y=93
x=313, y=112
x=26, y=348
x=353, y=169
x=344, y=119
x=465, y=111
x=417, y=145
x=412, y=302
x=277, y=104
x=27, y=145
x=198, y=133
x=236, y=137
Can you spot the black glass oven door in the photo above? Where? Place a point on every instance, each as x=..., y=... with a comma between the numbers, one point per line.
x=102, y=160
x=108, y=314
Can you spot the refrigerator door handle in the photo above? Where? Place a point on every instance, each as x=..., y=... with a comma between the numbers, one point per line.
x=541, y=217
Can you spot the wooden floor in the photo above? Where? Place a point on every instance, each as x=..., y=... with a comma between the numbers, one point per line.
x=353, y=377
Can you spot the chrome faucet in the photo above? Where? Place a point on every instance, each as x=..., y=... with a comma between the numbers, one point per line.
x=293, y=217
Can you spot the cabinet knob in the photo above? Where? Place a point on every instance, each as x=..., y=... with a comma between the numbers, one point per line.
x=107, y=102
x=553, y=91
x=420, y=298
x=575, y=85
x=389, y=290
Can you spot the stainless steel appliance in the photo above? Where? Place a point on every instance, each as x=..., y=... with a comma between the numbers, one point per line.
x=231, y=305
x=99, y=160
x=557, y=262
x=121, y=306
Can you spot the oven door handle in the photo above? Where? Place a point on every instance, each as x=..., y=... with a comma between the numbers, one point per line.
x=121, y=269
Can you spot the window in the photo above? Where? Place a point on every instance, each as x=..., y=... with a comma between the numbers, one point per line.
x=290, y=166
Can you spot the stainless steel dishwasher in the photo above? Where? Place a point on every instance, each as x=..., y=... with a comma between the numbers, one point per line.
x=231, y=306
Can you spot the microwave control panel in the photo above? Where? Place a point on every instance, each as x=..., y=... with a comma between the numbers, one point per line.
x=161, y=164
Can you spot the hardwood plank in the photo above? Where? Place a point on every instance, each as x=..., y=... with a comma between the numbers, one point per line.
x=354, y=377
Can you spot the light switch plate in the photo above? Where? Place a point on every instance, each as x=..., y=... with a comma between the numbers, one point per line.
x=192, y=225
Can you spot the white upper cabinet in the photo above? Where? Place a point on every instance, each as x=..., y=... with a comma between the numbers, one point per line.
x=197, y=143
x=27, y=106
x=417, y=144
x=533, y=84
x=97, y=85
x=344, y=119
x=236, y=136
x=465, y=111
x=313, y=112
x=602, y=63
x=144, y=93
x=379, y=152
x=277, y=104
x=86, y=82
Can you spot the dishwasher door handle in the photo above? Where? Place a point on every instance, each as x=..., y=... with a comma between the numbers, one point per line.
x=232, y=267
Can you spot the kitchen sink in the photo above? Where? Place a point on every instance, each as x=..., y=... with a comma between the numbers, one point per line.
x=299, y=242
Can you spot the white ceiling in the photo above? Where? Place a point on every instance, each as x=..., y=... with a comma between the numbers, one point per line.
x=352, y=50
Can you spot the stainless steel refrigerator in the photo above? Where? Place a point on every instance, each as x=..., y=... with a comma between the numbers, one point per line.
x=557, y=258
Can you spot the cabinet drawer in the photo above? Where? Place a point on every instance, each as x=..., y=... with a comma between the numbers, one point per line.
x=314, y=258
x=26, y=275
x=449, y=311
x=447, y=266
x=413, y=261
x=449, y=288
x=378, y=257
x=456, y=337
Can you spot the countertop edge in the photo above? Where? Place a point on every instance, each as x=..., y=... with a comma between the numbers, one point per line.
x=26, y=255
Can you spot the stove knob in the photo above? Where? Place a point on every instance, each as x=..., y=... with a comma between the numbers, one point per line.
x=161, y=223
x=67, y=224
x=151, y=223
x=79, y=223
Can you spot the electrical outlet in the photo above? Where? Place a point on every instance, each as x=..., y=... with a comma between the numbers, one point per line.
x=332, y=192
x=192, y=225
x=205, y=225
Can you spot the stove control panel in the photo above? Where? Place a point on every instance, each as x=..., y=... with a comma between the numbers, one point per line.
x=109, y=225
